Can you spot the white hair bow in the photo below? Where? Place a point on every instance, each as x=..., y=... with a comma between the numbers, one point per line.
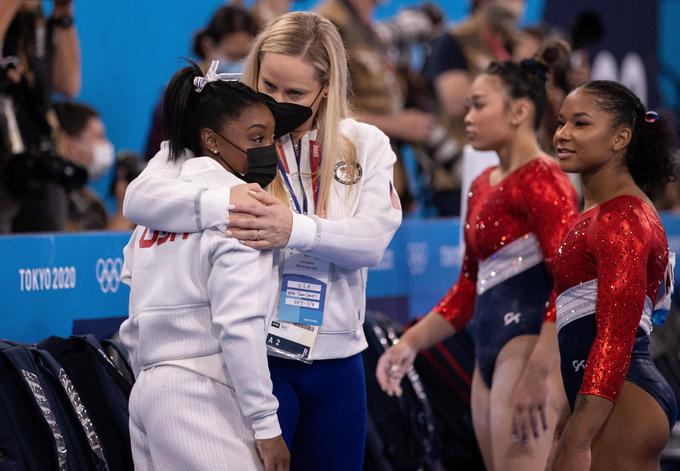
x=212, y=76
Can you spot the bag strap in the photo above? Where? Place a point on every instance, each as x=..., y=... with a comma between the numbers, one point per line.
x=121, y=361
x=423, y=419
x=23, y=363
x=77, y=405
x=92, y=341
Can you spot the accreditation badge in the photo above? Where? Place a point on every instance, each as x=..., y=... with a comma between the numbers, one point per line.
x=302, y=301
x=291, y=341
x=302, y=298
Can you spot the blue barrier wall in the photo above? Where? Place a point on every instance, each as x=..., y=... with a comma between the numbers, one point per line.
x=49, y=281
x=53, y=284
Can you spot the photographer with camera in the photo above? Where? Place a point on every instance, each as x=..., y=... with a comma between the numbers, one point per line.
x=39, y=56
x=86, y=145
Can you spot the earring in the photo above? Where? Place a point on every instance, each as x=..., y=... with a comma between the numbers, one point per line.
x=215, y=151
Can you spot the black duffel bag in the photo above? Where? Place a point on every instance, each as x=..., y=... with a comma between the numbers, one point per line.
x=43, y=424
x=104, y=388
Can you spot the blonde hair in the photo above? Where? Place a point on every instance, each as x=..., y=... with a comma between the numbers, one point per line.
x=315, y=40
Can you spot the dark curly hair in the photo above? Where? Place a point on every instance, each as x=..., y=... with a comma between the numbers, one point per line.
x=650, y=156
x=527, y=79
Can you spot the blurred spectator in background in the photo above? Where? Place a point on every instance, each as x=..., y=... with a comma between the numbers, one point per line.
x=226, y=38
x=669, y=199
x=266, y=10
x=39, y=56
x=457, y=56
x=127, y=167
x=586, y=30
x=377, y=94
x=85, y=140
x=86, y=145
x=410, y=27
x=530, y=40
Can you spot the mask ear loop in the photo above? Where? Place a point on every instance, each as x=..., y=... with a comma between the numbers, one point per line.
x=317, y=96
x=217, y=154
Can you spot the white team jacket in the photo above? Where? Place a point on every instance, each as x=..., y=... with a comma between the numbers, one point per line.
x=361, y=221
x=202, y=301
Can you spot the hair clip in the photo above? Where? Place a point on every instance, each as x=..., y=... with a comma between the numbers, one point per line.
x=652, y=117
x=213, y=76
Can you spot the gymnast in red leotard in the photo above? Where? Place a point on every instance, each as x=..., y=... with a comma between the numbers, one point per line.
x=518, y=213
x=607, y=274
x=512, y=232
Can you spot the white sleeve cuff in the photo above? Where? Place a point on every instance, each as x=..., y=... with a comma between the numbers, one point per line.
x=303, y=233
x=213, y=208
x=266, y=427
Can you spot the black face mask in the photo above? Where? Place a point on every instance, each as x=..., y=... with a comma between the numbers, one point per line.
x=261, y=163
x=288, y=116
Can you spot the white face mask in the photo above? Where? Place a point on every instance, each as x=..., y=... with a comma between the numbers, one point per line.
x=102, y=159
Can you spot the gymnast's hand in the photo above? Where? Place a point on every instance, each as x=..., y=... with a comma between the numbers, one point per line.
x=531, y=401
x=274, y=454
x=393, y=365
x=258, y=219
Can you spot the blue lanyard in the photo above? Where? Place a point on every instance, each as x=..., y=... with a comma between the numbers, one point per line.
x=291, y=192
x=290, y=189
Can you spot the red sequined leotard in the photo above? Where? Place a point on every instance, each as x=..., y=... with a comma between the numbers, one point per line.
x=537, y=198
x=622, y=244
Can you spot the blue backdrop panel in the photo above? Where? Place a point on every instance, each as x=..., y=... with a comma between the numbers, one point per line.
x=48, y=281
x=433, y=261
x=672, y=225
x=58, y=284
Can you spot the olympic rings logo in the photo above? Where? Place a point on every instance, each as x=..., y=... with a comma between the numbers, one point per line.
x=108, y=274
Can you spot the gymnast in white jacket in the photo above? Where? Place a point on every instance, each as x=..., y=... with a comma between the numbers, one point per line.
x=200, y=303
x=331, y=215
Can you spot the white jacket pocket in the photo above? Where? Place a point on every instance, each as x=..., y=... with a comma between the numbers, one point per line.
x=346, y=303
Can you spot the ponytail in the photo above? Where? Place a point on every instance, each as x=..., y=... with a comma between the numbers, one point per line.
x=651, y=156
x=187, y=111
x=178, y=97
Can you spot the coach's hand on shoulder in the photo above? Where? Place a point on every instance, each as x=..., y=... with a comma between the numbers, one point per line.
x=262, y=223
x=274, y=454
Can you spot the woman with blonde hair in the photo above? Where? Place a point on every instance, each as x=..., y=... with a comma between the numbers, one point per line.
x=331, y=216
